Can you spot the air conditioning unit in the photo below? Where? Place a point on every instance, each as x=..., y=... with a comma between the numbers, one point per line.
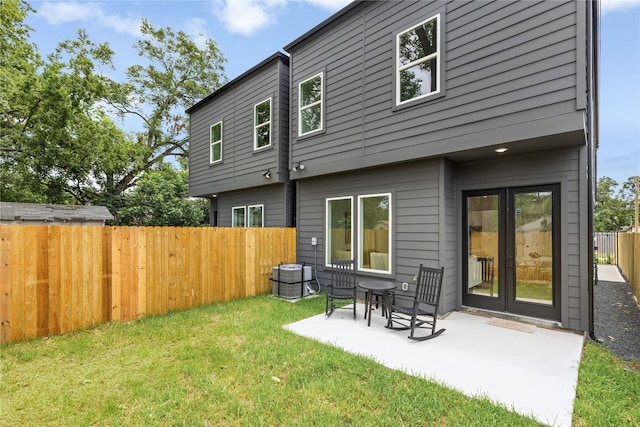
x=291, y=280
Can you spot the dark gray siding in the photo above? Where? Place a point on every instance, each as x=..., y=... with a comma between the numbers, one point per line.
x=448, y=234
x=563, y=167
x=507, y=65
x=271, y=197
x=416, y=216
x=241, y=165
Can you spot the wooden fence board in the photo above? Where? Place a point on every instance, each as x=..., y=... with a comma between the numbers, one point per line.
x=116, y=274
x=57, y=279
x=42, y=278
x=53, y=273
x=5, y=284
x=629, y=259
x=66, y=306
x=87, y=270
x=106, y=272
x=97, y=315
x=30, y=282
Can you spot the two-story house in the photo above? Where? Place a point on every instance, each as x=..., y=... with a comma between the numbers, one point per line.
x=239, y=151
x=451, y=133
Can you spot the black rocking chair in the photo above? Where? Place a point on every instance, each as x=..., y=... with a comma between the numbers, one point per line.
x=421, y=310
x=342, y=287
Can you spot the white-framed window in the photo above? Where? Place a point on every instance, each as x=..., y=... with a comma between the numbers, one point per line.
x=310, y=105
x=338, y=229
x=374, y=232
x=418, y=56
x=255, y=217
x=262, y=124
x=238, y=216
x=215, y=138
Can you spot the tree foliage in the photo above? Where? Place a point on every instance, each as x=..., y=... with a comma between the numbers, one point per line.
x=614, y=208
x=59, y=139
x=176, y=74
x=161, y=197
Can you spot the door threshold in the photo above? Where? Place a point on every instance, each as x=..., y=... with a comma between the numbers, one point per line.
x=543, y=323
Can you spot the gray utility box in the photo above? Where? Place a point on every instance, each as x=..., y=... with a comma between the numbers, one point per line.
x=290, y=280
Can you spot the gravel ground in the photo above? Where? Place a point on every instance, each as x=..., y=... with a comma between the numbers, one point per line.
x=617, y=319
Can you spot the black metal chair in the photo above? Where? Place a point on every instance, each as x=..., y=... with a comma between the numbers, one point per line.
x=342, y=288
x=421, y=309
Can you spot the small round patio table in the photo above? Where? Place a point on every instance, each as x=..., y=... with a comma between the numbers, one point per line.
x=373, y=286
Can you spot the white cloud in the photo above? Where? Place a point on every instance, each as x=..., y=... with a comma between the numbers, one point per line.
x=618, y=5
x=64, y=12
x=196, y=28
x=330, y=4
x=249, y=16
x=244, y=16
x=70, y=11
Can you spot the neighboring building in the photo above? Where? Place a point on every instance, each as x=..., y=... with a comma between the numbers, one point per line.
x=47, y=214
x=456, y=134
x=239, y=148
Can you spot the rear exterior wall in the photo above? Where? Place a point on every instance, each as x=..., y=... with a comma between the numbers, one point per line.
x=510, y=72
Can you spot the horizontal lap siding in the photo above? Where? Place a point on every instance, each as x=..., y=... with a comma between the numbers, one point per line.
x=241, y=165
x=272, y=197
x=550, y=168
x=505, y=63
x=415, y=199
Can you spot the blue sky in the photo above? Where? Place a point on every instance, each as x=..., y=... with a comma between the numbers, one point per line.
x=248, y=31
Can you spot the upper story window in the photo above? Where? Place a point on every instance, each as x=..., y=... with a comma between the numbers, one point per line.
x=310, y=105
x=215, y=137
x=418, y=55
x=262, y=124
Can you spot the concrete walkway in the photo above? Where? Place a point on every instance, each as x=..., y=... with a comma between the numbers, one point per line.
x=528, y=369
x=609, y=273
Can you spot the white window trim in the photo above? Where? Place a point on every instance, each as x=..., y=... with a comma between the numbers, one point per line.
x=249, y=215
x=327, y=237
x=233, y=216
x=212, y=143
x=437, y=55
x=256, y=126
x=360, y=234
x=313, y=104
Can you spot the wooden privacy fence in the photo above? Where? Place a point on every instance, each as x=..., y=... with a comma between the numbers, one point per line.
x=629, y=259
x=57, y=279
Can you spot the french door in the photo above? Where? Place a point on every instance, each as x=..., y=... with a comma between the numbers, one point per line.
x=511, y=250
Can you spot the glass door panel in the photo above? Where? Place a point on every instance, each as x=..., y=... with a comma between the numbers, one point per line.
x=511, y=240
x=483, y=219
x=534, y=247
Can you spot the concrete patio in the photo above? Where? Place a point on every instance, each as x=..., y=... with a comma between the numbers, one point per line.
x=529, y=369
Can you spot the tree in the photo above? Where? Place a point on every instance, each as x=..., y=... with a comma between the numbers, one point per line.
x=57, y=143
x=178, y=74
x=58, y=140
x=161, y=197
x=631, y=191
x=612, y=211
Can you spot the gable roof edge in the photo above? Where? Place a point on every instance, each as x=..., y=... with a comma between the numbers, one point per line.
x=348, y=8
x=278, y=55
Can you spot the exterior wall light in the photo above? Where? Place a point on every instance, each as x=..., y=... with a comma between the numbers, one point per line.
x=297, y=165
x=267, y=174
x=501, y=150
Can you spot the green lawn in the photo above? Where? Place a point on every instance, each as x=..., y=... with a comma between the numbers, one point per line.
x=234, y=364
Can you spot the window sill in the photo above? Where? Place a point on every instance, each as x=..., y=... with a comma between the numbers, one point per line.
x=419, y=101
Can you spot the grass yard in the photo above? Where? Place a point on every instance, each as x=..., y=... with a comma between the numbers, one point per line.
x=234, y=364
